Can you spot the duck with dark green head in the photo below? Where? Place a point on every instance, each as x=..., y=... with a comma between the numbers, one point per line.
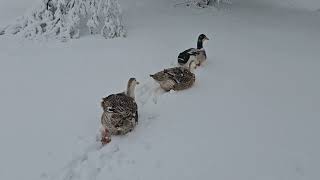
x=198, y=54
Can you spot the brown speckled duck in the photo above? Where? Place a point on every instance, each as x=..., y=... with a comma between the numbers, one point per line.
x=177, y=78
x=120, y=112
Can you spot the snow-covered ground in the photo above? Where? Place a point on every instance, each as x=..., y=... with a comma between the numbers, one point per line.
x=253, y=113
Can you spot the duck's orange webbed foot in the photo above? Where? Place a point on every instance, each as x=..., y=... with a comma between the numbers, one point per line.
x=105, y=137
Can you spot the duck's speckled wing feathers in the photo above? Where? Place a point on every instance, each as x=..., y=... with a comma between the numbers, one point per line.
x=119, y=103
x=182, y=77
x=184, y=56
x=120, y=113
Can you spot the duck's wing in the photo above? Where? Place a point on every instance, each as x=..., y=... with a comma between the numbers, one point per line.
x=174, y=73
x=193, y=51
x=120, y=104
x=190, y=51
x=169, y=74
x=159, y=76
x=184, y=56
x=186, y=79
x=121, y=113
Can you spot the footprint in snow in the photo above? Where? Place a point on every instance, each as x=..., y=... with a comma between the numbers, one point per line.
x=88, y=164
x=94, y=158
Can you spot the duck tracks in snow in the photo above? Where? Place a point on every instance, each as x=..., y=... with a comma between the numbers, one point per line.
x=96, y=157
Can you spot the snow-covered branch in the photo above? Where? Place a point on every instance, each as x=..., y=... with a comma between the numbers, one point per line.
x=204, y=3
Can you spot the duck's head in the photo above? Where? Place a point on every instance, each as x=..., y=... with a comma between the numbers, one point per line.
x=201, y=39
x=133, y=81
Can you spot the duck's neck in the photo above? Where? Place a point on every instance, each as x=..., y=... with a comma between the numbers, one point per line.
x=130, y=90
x=199, y=44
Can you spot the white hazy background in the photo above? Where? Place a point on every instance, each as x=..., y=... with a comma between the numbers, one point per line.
x=253, y=113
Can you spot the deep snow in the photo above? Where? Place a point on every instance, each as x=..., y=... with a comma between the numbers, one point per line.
x=252, y=114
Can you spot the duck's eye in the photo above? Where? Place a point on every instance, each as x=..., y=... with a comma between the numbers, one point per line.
x=110, y=109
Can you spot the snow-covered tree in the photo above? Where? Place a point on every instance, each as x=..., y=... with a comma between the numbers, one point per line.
x=201, y=3
x=62, y=19
x=205, y=3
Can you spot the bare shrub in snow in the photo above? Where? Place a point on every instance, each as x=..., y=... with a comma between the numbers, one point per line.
x=62, y=19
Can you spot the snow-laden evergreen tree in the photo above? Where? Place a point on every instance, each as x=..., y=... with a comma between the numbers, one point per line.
x=205, y=3
x=62, y=19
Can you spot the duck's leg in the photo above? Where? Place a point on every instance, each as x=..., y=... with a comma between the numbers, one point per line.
x=105, y=133
x=105, y=136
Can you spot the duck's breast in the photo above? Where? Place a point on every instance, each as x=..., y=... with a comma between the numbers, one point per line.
x=202, y=56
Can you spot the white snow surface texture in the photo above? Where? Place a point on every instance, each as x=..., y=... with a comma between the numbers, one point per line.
x=253, y=113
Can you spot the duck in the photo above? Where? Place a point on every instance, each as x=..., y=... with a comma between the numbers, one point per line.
x=120, y=112
x=198, y=54
x=177, y=78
